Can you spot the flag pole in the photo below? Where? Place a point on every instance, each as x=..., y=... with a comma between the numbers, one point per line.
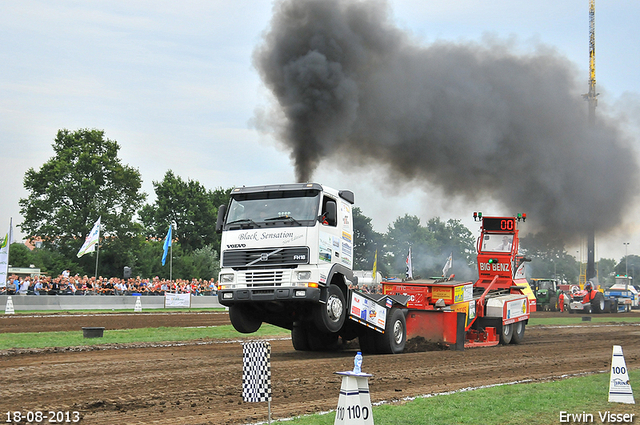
x=171, y=261
x=98, y=247
x=97, y=255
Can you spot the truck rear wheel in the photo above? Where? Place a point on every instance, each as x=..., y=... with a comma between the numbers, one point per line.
x=518, y=332
x=395, y=334
x=244, y=319
x=367, y=341
x=597, y=304
x=319, y=341
x=299, y=337
x=329, y=317
x=506, y=333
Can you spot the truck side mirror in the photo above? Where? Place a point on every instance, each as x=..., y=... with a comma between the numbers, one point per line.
x=332, y=213
x=222, y=210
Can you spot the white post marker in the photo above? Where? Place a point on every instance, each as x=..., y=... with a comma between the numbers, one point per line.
x=138, y=307
x=354, y=403
x=9, y=307
x=619, y=385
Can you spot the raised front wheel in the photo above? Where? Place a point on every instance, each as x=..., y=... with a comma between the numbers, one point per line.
x=329, y=317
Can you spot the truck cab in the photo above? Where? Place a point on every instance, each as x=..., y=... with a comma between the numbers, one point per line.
x=286, y=256
x=499, y=263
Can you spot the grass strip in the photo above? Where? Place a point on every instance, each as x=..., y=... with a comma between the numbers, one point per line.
x=532, y=404
x=124, y=336
x=114, y=311
x=577, y=320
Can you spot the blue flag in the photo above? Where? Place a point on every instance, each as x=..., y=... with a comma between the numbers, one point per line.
x=167, y=244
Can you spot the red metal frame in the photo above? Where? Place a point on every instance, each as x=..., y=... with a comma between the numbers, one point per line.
x=441, y=324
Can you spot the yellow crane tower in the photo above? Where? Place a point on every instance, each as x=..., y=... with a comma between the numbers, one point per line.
x=592, y=96
x=590, y=272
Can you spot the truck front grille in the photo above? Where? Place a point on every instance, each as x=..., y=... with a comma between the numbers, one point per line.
x=265, y=257
x=261, y=278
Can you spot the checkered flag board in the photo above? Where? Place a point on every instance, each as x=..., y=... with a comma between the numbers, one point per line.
x=256, y=371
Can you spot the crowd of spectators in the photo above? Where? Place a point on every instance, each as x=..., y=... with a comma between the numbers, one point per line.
x=367, y=289
x=64, y=284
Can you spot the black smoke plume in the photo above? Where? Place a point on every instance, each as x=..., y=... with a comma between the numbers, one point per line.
x=477, y=119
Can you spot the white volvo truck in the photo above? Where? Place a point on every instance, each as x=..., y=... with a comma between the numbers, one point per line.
x=286, y=259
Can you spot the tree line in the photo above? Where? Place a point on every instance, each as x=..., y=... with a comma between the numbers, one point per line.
x=85, y=179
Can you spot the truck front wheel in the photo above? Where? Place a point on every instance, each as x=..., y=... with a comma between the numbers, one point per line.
x=244, y=319
x=329, y=316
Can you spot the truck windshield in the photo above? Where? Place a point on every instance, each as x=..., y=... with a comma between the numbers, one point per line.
x=545, y=284
x=499, y=242
x=292, y=208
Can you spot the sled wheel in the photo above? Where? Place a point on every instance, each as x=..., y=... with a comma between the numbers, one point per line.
x=518, y=332
x=505, y=334
x=395, y=334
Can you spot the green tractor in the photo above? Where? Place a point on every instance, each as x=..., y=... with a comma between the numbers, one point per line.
x=547, y=293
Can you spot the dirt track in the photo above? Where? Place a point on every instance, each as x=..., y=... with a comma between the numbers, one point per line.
x=200, y=383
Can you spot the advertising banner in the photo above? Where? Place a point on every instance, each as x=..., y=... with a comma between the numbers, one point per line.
x=4, y=255
x=177, y=300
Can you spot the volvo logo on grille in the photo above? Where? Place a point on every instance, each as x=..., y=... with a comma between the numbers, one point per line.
x=264, y=256
x=237, y=245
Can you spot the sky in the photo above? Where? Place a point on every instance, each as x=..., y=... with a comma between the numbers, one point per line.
x=175, y=85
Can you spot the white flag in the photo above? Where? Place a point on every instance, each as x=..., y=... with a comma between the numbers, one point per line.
x=409, y=272
x=5, y=243
x=447, y=265
x=92, y=239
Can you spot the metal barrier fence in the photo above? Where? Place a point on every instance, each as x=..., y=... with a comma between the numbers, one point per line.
x=97, y=302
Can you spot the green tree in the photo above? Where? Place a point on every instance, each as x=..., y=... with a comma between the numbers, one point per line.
x=407, y=232
x=453, y=238
x=190, y=206
x=365, y=243
x=49, y=261
x=548, y=257
x=630, y=263
x=606, y=271
x=20, y=255
x=84, y=180
x=206, y=264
